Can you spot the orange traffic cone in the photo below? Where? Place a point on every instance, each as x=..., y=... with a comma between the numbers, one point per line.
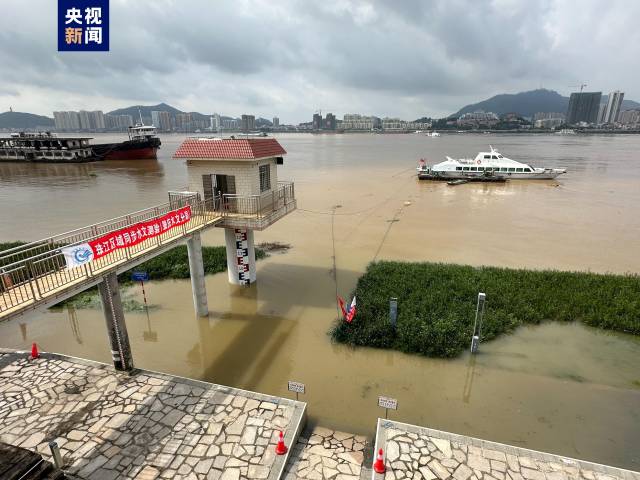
x=281, y=448
x=378, y=465
x=34, y=351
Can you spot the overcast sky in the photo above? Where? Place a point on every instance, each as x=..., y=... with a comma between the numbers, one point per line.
x=405, y=58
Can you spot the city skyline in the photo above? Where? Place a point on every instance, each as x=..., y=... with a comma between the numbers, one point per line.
x=338, y=56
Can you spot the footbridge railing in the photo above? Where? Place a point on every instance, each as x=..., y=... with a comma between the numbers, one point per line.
x=31, y=272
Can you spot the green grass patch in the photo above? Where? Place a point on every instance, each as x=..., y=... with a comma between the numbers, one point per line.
x=173, y=264
x=437, y=302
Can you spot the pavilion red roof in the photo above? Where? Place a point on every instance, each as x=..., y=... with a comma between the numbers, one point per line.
x=240, y=148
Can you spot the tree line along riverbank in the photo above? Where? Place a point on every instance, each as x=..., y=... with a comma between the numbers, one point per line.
x=437, y=303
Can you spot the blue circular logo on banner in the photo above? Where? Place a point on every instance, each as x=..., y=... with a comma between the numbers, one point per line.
x=82, y=254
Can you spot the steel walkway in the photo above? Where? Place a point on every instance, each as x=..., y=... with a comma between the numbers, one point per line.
x=35, y=275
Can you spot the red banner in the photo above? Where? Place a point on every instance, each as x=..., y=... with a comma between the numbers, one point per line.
x=135, y=234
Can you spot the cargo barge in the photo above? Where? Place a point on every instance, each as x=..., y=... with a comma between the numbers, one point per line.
x=143, y=143
x=45, y=147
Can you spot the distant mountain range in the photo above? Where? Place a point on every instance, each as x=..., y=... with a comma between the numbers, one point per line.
x=24, y=120
x=529, y=103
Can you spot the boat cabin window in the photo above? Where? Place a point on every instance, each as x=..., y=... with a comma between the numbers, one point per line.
x=466, y=169
x=518, y=170
x=487, y=156
x=503, y=169
x=527, y=169
x=480, y=169
x=512, y=169
x=458, y=168
x=499, y=156
x=493, y=157
x=474, y=169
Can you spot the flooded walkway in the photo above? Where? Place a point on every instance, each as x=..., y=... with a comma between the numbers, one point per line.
x=146, y=425
x=417, y=453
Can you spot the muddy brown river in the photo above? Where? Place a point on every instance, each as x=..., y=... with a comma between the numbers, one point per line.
x=562, y=388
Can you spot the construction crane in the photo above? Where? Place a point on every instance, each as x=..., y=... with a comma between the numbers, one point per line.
x=582, y=85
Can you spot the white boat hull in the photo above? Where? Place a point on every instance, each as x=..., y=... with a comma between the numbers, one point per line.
x=486, y=164
x=508, y=175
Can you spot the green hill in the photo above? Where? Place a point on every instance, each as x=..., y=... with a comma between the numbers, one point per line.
x=145, y=110
x=22, y=121
x=529, y=103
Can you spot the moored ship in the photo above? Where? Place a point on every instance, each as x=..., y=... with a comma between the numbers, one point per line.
x=45, y=147
x=486, y=165
x=143, y=143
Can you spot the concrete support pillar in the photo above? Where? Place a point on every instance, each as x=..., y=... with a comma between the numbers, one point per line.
x=116, y=327
x=241, y=256
x=196, y=269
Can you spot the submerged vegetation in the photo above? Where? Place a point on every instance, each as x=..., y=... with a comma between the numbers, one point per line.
x=437, y=302
x=173, y=264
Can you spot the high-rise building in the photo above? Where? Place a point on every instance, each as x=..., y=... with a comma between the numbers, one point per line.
x=330, y=122
x=216, y=123
x=248, y=123
x=612, y=109
x=276, y=122
x=601, y=113
x=96, y=119
x=184, y=122
x=583, y=107
x=230, y=124
x=161, y=120
x=629, y=117
x=68, y=121
x=317, y=121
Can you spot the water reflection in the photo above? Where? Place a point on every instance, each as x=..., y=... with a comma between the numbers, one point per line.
x=252, y=341
x=73, y=322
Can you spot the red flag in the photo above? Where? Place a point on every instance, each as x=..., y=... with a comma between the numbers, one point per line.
x=351, y=312
x=341, y=303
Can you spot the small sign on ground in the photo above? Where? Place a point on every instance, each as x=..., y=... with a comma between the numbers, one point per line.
x=387, y=402
x=296, y=387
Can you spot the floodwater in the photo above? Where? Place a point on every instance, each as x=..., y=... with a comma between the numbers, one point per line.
x=563, y=388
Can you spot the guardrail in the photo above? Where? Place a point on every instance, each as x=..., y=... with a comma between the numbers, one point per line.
x=258, y=206
x=30, y=272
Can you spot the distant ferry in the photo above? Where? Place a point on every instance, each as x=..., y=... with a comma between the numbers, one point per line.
x=433, y=134
x=143, y=143
x=566, y=131
x=486, y=164
x=45, y=147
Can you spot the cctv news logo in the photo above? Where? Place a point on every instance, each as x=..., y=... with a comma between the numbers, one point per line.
x=83, y=25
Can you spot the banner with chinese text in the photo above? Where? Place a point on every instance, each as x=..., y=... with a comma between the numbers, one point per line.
x=125, y=237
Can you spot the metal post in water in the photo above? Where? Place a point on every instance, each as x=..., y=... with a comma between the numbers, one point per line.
x=477, y=324
x=116, y=326
x=393, y=311
x=55, y=453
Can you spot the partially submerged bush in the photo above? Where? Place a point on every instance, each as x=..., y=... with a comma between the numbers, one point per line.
x=437, y=302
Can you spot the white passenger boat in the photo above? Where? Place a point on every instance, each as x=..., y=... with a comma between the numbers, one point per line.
x=486, y=164
x=433, y=134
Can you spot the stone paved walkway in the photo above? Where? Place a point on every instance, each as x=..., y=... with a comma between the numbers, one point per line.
x=145, y=426
x=326, y=454
x=421, y=453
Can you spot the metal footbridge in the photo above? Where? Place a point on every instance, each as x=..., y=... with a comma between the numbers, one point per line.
x=35, y=275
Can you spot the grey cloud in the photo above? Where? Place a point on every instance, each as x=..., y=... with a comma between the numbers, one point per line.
x=412, y=57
